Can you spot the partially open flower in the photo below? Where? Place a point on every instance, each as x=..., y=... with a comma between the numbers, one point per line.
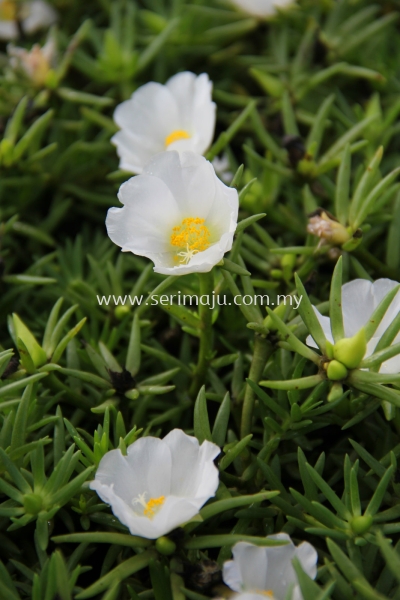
x=159, y=484
x=179, y=115
x=327, y=228
x=359, y=300
x=268, y=571
x=32, y=16
x=35, y=63
x=177, y=213
x=262, y=8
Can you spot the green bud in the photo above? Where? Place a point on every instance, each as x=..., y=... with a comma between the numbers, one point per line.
x=276, y=273
x=361, y=524
x=165, y=546
x=121, y=311
x=33, y=503
x=336, y=371
x=351, y=351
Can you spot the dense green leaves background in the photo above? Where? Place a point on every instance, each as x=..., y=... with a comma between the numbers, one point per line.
x=305, y=102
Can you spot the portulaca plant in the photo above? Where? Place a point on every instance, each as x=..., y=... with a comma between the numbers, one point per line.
x=259, y=572
x=159, y=484
x=179, y=115
x=177, y=213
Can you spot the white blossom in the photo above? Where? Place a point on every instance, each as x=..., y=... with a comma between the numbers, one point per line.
x=359, y=300
x=267, y=571
x=160, y=484
x=177, y=213
x=32, y=16
x=262, y=8
x=179, y=115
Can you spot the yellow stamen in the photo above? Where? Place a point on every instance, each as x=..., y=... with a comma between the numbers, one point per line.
x=8, y=10
x=267, y=593
x=191, y=236
x=150, y=507
x=178, y=134
x=153, y=505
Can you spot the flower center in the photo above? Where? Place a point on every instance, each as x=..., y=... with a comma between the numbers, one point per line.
x=8, y=10
x=150, y=507
x=191, y=236
x=267, y=593
x=178, y=134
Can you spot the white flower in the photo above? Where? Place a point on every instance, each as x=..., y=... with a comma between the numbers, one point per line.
x=179, y=115
x=160, y=484
x=359, y=300
x=177, y=213
x=35, y=63
x=32, y=16
x=268, y=571
x=262, y=8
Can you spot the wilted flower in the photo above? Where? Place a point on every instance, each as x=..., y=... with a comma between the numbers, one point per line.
x=159, y=484
x=359, y=300
x=262, y=572
x=179, y=115
x=177, y=213
x=327, y=228
x=31, y=16
x=35, y=63
x=262, y=8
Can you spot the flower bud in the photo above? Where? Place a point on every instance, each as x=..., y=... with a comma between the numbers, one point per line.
x=351, y=351
x=165, y=546
x=336, y=371
x=327, y=227
x=361, y=524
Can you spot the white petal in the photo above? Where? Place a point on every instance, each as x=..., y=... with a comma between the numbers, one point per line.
x=150, y=113
x=194, y=474
x=144, y=224
x=146, y=119
x=151, y=465
x=40, y=16
x=133, y=155
x=357, y=304
x=196, y=109
x=308, y=558
x=280, y=572
x=258, y=8
x=252, y=567
x=232, y=576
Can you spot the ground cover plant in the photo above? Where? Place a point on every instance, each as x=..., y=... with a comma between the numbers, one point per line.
x=244, y=444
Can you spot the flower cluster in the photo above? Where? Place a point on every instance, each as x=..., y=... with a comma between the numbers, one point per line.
x=177, y=212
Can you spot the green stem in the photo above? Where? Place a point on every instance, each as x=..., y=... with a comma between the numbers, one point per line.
x=262, y=351
x=206, y=342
